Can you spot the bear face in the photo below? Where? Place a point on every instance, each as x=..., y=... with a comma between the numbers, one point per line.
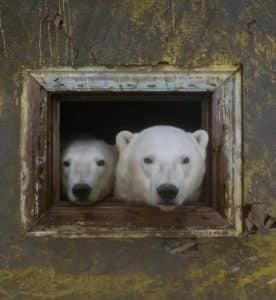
x=162, y=166
x=87, y=170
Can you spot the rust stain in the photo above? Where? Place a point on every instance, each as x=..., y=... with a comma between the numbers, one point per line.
x=256, y=168
x=47, y=283
x=236, y=269
x=242, y=269
x=139, y=9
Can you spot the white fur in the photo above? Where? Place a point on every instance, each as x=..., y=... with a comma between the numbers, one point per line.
x=166, y=146
x=83, y=156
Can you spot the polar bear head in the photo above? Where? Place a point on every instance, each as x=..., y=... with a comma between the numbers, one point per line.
x=87, y=170
x=162, y=165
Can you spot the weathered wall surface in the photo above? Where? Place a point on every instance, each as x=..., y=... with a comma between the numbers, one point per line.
x=190, y=33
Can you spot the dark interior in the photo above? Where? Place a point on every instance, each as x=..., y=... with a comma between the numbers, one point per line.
x=104, y=115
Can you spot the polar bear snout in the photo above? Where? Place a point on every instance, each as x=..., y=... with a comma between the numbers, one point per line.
x=167, y=192
x=87, y=170
x=81, y=191
x=162, y=165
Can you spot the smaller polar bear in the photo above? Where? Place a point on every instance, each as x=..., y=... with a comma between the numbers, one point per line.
x=161, y=166
x=87, y=170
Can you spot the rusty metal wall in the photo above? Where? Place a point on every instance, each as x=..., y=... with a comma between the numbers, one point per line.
x=41, y=33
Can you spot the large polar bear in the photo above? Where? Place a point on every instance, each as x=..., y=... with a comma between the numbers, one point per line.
x=161, y=166
x=87, y=170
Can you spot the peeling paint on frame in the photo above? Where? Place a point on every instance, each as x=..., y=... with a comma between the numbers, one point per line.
x=24, y=174
x=153, y=79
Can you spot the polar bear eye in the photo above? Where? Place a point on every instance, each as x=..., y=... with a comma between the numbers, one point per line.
x=185, y=160
x=148, y=160
x=66, y=163
x=101, y=163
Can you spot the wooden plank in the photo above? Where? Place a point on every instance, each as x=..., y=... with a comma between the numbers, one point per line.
x=219, y=165
x=132, y=217
x=33, y=151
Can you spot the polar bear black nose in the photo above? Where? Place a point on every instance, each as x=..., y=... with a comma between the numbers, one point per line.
x=167, y=191
x=81, y=191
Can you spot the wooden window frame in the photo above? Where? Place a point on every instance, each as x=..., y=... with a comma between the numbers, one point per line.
x=39, y=154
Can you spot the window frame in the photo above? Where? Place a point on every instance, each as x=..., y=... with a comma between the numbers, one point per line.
x=39, y=113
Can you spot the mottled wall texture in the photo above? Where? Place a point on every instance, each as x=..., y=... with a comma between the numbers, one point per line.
x=131, y=32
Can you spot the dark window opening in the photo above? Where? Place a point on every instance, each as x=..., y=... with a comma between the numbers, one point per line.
x=102, y=116
x=104, y=119
x=100, y=102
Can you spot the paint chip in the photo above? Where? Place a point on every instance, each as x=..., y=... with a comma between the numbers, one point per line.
x=182, y=248
x=272, y=281
x=269, y=222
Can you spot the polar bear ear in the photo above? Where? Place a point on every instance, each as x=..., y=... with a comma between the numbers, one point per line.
x=202, y=138
x=122, y=139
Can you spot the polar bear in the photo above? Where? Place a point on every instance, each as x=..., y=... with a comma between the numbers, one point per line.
x=87, y=170
x=161, y=166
